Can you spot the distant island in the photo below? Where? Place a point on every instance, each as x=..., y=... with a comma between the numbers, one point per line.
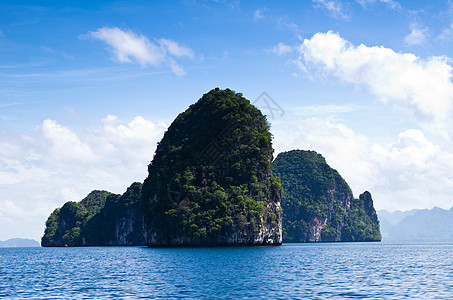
x=18, y=242
x=318, y=205
x=434, y=224
x=213, y=182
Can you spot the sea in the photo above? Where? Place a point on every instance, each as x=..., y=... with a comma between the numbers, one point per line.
x=291, y=271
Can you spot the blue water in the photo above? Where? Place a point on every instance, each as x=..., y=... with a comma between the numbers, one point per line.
x=293, y=271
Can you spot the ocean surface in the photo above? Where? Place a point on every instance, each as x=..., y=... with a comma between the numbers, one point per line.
x=292, y=271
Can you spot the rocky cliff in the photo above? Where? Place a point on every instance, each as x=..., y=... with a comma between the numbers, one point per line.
x=100, y=219
x=318, y=205
x=120, y=222
x=210, y=181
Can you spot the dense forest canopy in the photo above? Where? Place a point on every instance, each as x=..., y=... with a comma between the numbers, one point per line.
x=211, y=182
x=95, y=220
x=211, y=172
x=316, y=196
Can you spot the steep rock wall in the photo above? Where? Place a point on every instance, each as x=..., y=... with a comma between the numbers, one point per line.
x=318, y=205
x=210, y=181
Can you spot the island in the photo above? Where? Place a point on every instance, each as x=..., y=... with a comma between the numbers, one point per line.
x=213, y=182
x=318, y=205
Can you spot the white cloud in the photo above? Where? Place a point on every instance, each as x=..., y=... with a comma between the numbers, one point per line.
x=391, y=3
x=259, y=14
x=70, y=194
x=417, y=173
x=176, y=49
x=289, y=25
x=344, y=150
x=421, y=86
x=128, y=47
x=9, y=208
x=40, y=172
x=410, y=172
x=177, y=69
x=233, y=4
x=447, y=34
x=281, y=49
x=64, y=144
x=417, y=35
x=333, y=7
x=319, y=110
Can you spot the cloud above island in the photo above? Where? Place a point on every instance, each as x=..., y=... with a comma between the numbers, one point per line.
x=418, y=35
x=422, y=87
x=409, y=172
x=57, y=164
x=129, y=47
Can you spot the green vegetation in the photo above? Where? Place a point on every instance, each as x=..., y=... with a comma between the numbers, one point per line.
x=211, y=177
x=120, y=222
x=211, y=183
x=315, y=196
x=361, y=223
x=64, y=225
x=92, y=221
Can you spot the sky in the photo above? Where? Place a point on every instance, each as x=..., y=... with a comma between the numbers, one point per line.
x=87, y=89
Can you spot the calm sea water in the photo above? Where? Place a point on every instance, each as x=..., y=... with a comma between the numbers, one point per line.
x=293, y=271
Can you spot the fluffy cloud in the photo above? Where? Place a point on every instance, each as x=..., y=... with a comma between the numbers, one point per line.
x=64, y=144
x=56, y=165
x=417, y=35
x=127, y=47
x=416, y=173
x=344, y=150
x=421, y=86
x=410, y=172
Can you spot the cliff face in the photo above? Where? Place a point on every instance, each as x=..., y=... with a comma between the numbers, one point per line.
x=119, y=222
x=210, y=181
x=100, y=219
x=318, y=205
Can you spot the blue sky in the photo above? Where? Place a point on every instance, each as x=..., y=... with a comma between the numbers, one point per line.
x=87, y=89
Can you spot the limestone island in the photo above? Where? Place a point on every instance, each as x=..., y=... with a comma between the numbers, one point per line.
x=213, y=182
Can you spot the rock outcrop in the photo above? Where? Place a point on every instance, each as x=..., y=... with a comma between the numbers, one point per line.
x=100, y=219
x=210, y=181
x=318, y=205
x=119, y=223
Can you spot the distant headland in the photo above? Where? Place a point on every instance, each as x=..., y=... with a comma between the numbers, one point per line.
x=18, y=242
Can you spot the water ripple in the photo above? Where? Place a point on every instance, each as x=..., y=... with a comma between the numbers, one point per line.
x=293, y=271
